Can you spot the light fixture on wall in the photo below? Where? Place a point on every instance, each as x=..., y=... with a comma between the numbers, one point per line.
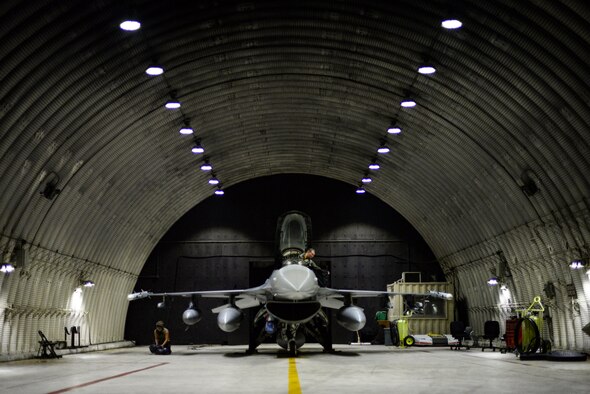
x=87, y=283
x=83, y=281
x=549, y=290
x=18, y=257
x=501, y=275
x=530, y=182
x=50, y=190
x=6, y=268
x=495, y=281
x=577, y=264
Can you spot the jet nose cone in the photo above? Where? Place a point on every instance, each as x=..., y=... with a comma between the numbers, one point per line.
x=294, y=282
x=296, y=276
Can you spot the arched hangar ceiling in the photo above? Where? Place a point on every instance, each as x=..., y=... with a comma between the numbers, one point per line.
x=291, y=87
x=295, y=87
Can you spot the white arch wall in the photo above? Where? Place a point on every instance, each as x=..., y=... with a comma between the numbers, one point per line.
x=41, y=296
x=287, y=87
x=536, y=254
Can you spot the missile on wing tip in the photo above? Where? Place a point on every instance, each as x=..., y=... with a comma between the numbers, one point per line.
x=441, y=294
x=137, y=296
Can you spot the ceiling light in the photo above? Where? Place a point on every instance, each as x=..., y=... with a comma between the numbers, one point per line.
x=408, y=103
x=451, y=24
x=366, y=179
x=154, y=70
x=383, y=149
x=198, y=148
x=374, y=166
x=214, y=180
x=577, y=264
x=360, y=190
x=186, y=129
x=394, y=128
x=172, y=104
x=219, y=192
x=206, y=166
x=426, y=70
x=493, y=281
x=6, y=268
x=130, y=25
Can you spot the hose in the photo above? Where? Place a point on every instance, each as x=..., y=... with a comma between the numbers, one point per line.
x=394, y=333
x=533, y=344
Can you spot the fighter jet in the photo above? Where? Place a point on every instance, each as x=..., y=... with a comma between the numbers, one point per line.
x=291, y=300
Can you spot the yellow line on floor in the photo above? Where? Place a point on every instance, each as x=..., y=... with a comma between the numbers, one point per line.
x=294, y=386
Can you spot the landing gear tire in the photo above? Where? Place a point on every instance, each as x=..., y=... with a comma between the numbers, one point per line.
x=409, y=341
x=292, y=349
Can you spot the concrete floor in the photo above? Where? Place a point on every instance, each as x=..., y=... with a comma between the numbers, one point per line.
x=352, y=369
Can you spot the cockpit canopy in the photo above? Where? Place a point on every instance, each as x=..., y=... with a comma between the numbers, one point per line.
x=294, y=228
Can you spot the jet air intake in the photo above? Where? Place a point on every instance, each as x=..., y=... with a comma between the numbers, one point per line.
x=293, y=312
x=229, y=319
x=351, y=317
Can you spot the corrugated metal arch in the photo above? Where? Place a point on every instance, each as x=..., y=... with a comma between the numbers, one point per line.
x=293, y=87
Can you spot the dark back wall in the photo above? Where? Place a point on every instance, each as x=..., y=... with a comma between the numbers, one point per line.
x=228, y=242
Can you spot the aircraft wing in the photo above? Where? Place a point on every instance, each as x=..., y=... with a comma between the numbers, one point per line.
x=332, y=298
x=326, y=291
x=258, y=293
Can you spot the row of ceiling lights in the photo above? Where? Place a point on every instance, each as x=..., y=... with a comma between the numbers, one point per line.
x=393, y=128
x=174, y=104
x=407, y=102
